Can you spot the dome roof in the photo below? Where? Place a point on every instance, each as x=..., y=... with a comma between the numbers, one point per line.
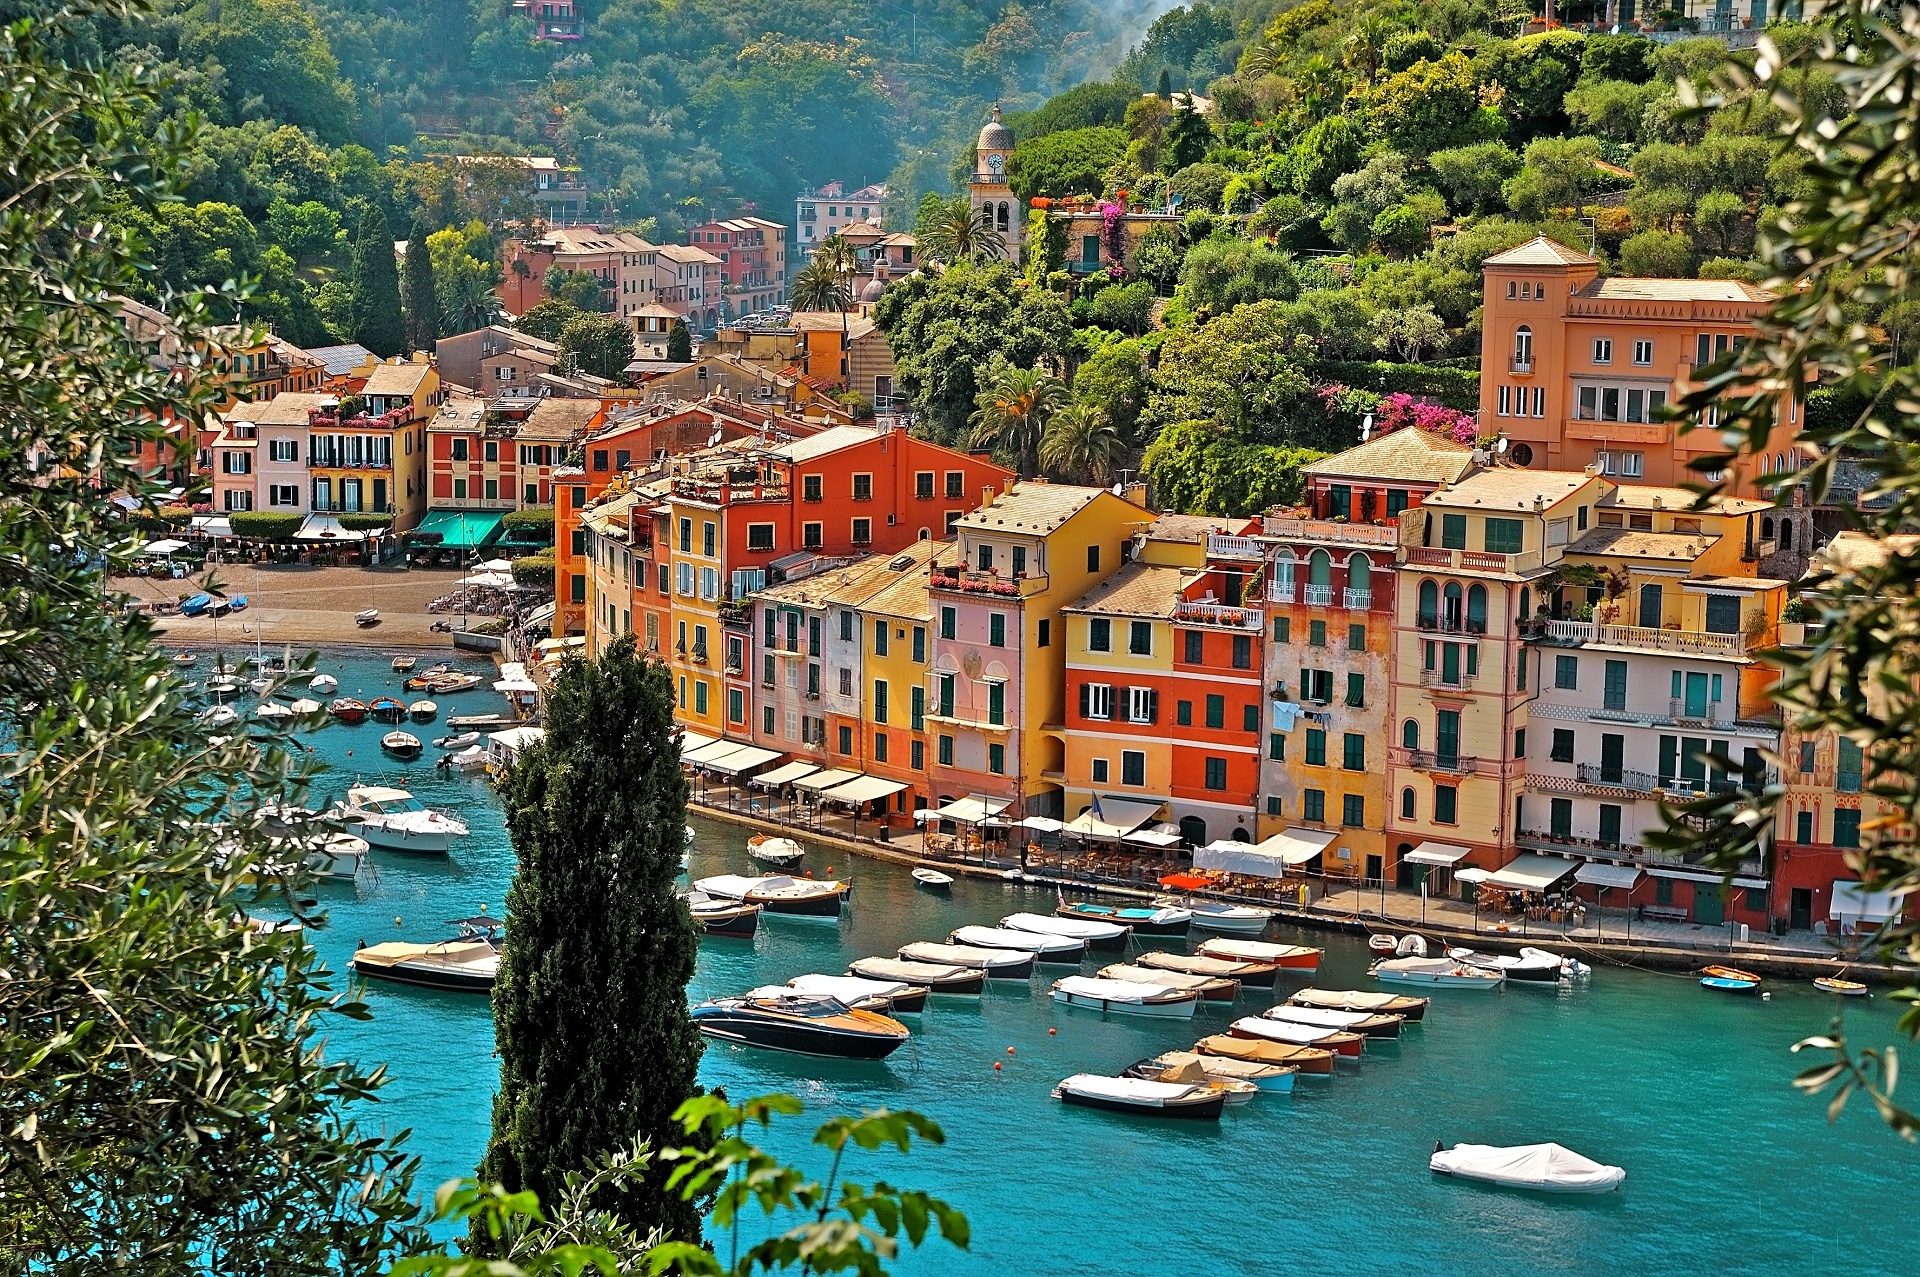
x=996, y=136
x=875, y=287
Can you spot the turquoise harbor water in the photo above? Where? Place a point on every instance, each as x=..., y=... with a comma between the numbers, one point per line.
x=1729, y=1171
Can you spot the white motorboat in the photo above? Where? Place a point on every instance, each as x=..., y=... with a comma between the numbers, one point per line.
x=1373, y=1024
x=1531, y=966
x=1339, y=1041
x=1541, y=1168
x=775, y=850
x=778, y=893
x=260, y=686
x=1126, y=997
x=394, y=820
x=423, y=711
x=1105, y=936
x=1138, y=1095
x=221, y=685
x=337, y=856
x=998, y=964
x=185, y=659
x=459, y=740
x=401, y=744
x=324, y=684
x=689, y=838
x=890, y=997
x=466, y=965
x=471, y=759
x=1237, y=920
x=217, y=716
x=305, y=706
x=273, y=711
x=1063, y=950
x=402, y=664
x=1442, y=972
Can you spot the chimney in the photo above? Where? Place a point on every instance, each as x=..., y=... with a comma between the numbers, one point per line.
x=986, y=496
x=1006, y=484
x=1657, y=503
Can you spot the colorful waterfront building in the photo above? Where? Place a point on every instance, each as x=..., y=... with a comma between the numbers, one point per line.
x=997, y=711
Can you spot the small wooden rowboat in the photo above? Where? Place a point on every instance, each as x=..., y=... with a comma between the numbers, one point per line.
x=1839, y=987
x=933, y=879
x=1723, y=984
x=1730, y=973
x=1314, y=1060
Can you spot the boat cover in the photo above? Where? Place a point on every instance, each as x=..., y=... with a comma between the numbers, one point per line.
x=736, y=886
x=1281, y=1030
x=1321, y=1016
x=899, y=970
x=962, y=955
x=1194, y=964
x=1252, y=950
x=1081, y=986
x=848, y=988
x=1260, y=1050
x=1074, y=928
x=1351, y=999
x=1162, y=979
x=1128, y=1090
x=1543, y=1166
x=1003, y=938
x=1221, y=1065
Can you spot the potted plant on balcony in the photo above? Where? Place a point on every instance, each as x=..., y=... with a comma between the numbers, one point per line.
x=1793, y=624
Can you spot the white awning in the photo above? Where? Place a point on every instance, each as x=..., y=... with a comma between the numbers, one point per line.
x=1693, y=875
x=862, y=789
x=509, y=686
x=968, y=811
x=1116, y=817
x=164, y=546
x=1472, y=874
x=825, y=780
x=1528, y=872
x=213, y=525
x=1596, y=875
x=1852, y=903
x=712, y=752
x=745, y=758
x=690, y=741
x=1153, y=838
x=785, y=775
x=325, y=527
x=489, y=580
x=1437, y=853
x=1043, y=824
x=1269, y=858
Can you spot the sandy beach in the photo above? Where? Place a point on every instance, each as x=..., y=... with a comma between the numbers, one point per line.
x=300, y=604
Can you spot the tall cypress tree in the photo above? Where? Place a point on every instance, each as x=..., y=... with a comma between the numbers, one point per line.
x=377, y=322
x=590, y=1007
x=423, y=300
x=679, y=343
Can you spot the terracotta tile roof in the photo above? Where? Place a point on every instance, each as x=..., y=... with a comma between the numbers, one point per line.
x=1509, y=489
x=396, y=379
x=855, y=584
x=1676, y=547
x=1678, y=290
x=282, y=410
x=1408, y=454
x=1541, y=251
x=1032, y=507
x=1189, y=529
x=1138, y=589
x=1636, y=496
x=558, y=419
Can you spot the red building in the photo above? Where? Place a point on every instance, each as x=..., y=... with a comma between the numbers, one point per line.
x=753, y=261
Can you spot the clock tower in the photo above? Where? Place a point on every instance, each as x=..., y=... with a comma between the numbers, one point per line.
x=988, y=190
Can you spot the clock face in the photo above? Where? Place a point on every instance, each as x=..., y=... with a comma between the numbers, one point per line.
x=994, y=162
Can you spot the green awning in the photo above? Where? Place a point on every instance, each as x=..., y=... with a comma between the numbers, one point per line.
x=464, y=529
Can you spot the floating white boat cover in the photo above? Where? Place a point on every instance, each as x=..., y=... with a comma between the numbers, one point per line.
x=1281, y=1030
x=1083, y=986
x=1598, y=875
x=1529, y=872
x=863, y=789
x=1437, y=853
x=1006, y=938
x=1543, y=1166
x=826, y=779
x=733, y=886
x=1269, y=858
x=1322, y=1016
x=1127, y=1090
x=908, y=971
x=962, y=955
x=1076, y=928
x=1251, y=950
x=848, y=988
x=785, y=775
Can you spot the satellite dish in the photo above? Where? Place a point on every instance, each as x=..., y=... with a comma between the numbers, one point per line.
x=1119, y=490
x=1502, y=445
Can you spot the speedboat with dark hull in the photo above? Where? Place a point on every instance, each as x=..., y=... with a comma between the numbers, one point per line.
x=1165, y=921
x=467, y=964
x=800, y=1024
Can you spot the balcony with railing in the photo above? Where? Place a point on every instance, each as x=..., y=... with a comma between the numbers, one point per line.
x=1426, y=760
x=1442, y=678
x=1356, y=600
x=1427, y=556
x=1221, y=546
x=1645, y=638
x=1520, y=366
x=1317, y=595
x=1444, y=623
x=1018, y=585
x=1233, y=618
x=1384, y=535
x=1280, y=592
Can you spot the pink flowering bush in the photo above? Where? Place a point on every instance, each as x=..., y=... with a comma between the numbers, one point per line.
x=1113, y=235
x=1400, y=409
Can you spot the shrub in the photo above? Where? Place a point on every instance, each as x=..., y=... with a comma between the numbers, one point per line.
x=535, y=571
x=1455, y=387
x=1657, y=255
x=366, y=522
x=263, y=525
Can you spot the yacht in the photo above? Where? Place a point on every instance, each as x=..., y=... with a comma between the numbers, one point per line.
x=800, y=1023
x=465, y=964
x=394, y=820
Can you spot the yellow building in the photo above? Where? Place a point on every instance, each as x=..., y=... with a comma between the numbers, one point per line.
x=376, y=460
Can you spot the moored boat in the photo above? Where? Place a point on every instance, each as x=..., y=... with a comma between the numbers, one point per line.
x=1840, y=988
x=1136, y=1095
x=1125, y=997
x=1222, y=1068
x=348, y=710
x=183, y=658
x=1289, y=957
x=1110, y=937
x=323, y=684
x=1166, y=920
x=464, y=965
x=1054, y=950
x=1313, y=1061
x=1413, y=1009
x=890, y=997
x=1236, y=920
x=401, y=664
x=1541, y=1168
x=933, y=879
x=471, y=759
x=1381, y=943
x=458, y=740
x=217, y=716
x=774, y=850
x=394, y=820
x=800, y=1024
x=1254, y=975
x=423, y=711
x=453, y=681
x=1210, y=988
x=1730, y=973
x=1236, y=1090
x=935, y=977
x=305, y=706
x=385, y=709
x=1370, y=1024
x=1726, y=984
x=780, y=894
x=1529, y=966
x=1442, y=972
x=717, y=917
x=401, y=744
x=998, y=964
x=1339, y=1041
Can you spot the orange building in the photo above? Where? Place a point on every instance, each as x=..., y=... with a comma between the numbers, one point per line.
x=1576, y=369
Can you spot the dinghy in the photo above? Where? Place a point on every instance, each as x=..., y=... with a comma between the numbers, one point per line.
x=1840, y=988
x=1291, y=957
x=1126, y=998
x=401, y=744
x=459, y=740
x=774, y=850
x=1135, y=1095
x=1540, y=1168
x=935, y=977
x=933, y=879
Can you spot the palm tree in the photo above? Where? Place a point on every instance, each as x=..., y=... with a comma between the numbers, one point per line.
x=819, y=286
x=836, y=254
x=1012, y=412
x=961, y=231
x=1367, y=45
x=1080, y=443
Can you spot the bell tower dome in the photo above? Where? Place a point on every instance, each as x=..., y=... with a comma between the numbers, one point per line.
x=988, y=191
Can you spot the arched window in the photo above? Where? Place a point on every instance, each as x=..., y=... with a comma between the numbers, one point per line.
x=1359, y=573
x=1406, y=804
x=1283, y=568
x=1410, y=734
x=1477, y=609
x=1523, y=347
x=1193, y=830
x=1786, y=535
x=1002, y=219
x=1241, y=835
x=1766, y=528
x=1320, y=569
x=1526, y=604
x=1429, y=604
x=1451, y=611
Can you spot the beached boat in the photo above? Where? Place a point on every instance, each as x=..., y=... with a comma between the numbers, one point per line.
x=800, y=1024
x=471, y=759
x=1730, y=973
x=1237, y=920
x=1236, y=1090
x=1167, y=920
x=1443, y=972
x=779, y=894
x=1338, y=1041
x=717, y=917
x=401, y=744
x=1541, y=1168
x=1136, y=1095
x=1210, y=988
x=889, y=997
x=195, y=604
x=423, y=711
x=1106, y=937
x=1412, y=1009
x=997, y=964
x=933, y=879
x=385, y=709
x=936, y=977
x=464, y=965
x=458, y=740
x=401, y=664
x=1288, y=957
x=370, y=616
x=1313, y=1061
x=1840, y=988
x=774, y=850
x=1370, y=1024
x=394, y=820
x=323, y=684
x=1054, y=950
x=1726, y=984
x=1255, y=975
x=1223, y=1069
x=1126, y=998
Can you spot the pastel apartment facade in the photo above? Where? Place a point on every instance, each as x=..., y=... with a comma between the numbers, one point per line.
x=752, y=253
x=830, y=208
